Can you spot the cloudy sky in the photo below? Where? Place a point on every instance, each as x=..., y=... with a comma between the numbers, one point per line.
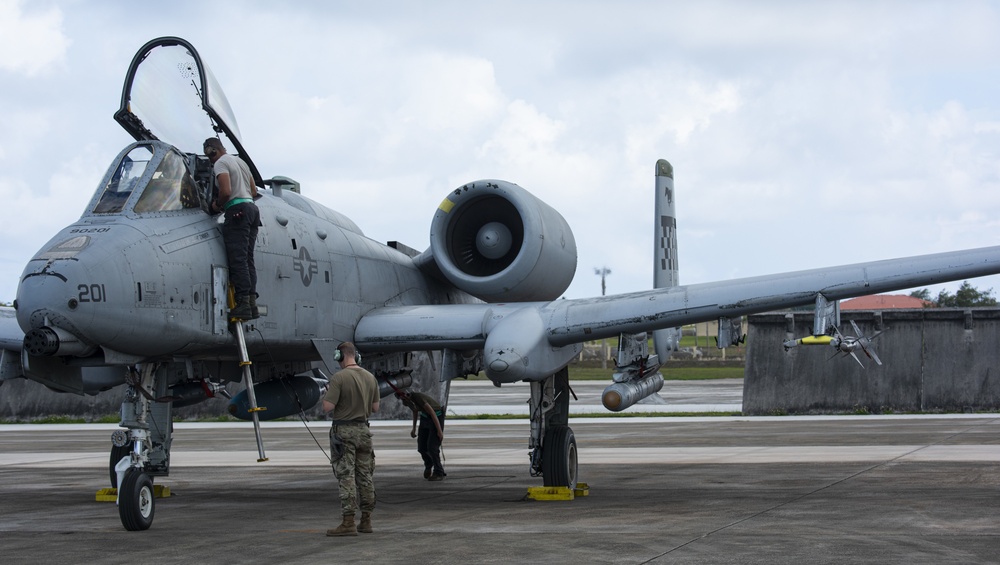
x=802, y=134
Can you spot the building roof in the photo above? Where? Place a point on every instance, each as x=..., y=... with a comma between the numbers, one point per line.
x=883, y=302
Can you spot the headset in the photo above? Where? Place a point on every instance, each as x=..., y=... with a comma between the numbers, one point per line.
x=209, y=147
x=338, y=356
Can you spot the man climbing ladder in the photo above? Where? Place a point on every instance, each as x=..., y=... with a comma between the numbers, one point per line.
x=239, y=232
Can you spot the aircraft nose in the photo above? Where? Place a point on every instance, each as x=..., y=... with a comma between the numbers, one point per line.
x=48, y=297
x=72, y=280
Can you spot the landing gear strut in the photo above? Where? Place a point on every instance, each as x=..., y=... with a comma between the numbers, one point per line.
x=552, y=441
x=143, y=451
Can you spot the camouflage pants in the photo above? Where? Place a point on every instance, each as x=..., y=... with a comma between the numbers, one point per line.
x=355, y=468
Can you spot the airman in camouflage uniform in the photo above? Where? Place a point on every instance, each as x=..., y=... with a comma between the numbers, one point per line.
x=352, y=397
x=355, y=467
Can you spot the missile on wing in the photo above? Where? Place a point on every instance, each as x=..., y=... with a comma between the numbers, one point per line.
x=620, y=396
x=809, y=340
x=280, y=397
x=843, y=344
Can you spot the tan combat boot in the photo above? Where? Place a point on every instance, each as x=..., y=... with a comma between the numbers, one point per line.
x=365, y=526
x=346, y=528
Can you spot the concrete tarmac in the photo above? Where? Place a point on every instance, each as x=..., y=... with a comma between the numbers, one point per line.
x=883, y=489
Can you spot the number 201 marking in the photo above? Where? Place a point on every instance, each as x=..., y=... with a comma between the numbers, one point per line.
x=92, y=293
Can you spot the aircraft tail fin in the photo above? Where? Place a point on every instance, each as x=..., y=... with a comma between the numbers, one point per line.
x=665, y=271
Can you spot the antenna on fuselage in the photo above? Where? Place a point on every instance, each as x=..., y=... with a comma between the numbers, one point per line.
x=279, y=184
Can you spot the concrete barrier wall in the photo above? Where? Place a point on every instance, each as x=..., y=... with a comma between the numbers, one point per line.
x=935, y=359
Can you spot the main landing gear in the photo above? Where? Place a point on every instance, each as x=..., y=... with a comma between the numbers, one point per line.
x=553, y=444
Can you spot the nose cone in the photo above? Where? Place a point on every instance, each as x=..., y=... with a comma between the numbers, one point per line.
x=74, y=285
x=49, y=296
x=494, y=240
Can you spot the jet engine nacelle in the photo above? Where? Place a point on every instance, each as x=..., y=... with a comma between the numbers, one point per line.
x=499, y=243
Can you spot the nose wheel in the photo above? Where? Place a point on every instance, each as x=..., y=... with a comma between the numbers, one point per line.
x=136, y=502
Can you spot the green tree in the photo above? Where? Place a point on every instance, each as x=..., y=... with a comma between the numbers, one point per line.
x=922, y=294
x=966, y=296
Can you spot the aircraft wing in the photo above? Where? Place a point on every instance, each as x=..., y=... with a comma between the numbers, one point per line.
x=11, y=336
x=11, y=339
x=530, y=340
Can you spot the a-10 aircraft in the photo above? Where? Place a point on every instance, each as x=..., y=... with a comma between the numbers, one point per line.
x=135, y=291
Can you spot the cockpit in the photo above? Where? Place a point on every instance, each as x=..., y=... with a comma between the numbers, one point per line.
x=164, y=179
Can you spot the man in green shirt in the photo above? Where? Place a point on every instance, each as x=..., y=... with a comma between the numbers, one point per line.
x=352, y=397
x=431, y=416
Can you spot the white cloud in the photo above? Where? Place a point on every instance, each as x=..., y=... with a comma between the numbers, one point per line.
x=22, y=131
x=31, y=41
x=449, y=93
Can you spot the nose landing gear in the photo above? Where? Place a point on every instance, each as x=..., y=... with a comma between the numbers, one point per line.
x=143, y=451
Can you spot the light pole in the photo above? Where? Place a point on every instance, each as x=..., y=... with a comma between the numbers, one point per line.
x=603, y=272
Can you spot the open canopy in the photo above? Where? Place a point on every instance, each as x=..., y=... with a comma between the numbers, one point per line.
x=171, y=95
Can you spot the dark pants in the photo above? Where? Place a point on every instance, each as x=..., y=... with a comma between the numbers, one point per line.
x=429, y=444
x=239, y=233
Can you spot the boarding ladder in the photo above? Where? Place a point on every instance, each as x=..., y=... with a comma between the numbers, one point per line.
x=248, y=382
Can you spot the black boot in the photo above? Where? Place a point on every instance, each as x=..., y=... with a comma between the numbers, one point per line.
x=242, y=310
x=254, y=311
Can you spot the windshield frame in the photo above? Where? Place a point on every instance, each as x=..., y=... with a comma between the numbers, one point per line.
x=160, y=152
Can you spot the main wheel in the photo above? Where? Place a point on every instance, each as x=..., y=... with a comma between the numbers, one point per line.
x=116, y=455
x=559, y=461
x=136, y=503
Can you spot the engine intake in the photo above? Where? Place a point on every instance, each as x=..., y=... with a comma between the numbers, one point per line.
x=500, y=243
